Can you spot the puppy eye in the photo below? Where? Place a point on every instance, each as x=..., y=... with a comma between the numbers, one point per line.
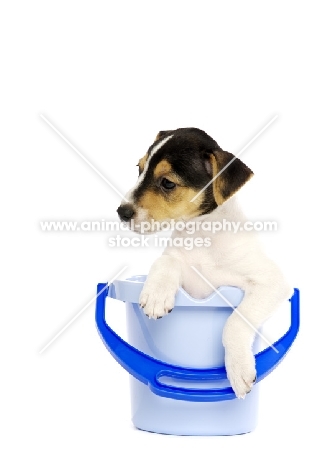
x=167, y=184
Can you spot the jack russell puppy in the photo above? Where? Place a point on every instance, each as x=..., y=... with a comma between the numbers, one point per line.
x=177, y=166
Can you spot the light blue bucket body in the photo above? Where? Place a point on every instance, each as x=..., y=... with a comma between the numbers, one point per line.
x=191, y=395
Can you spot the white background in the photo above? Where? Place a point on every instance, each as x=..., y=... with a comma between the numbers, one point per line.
x=109, y=76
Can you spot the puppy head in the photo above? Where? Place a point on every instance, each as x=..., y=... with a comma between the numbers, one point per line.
x=177, y=166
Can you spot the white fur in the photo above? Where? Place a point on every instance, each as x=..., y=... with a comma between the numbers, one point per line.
x=234, y=259
x=141, y=216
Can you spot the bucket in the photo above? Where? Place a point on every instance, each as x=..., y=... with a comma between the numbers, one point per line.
x=178, y=380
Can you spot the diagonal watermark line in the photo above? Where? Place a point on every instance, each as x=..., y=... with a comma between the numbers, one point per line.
x=80, y=312
x=83, y=157
x=235, y=157
x=235, y=310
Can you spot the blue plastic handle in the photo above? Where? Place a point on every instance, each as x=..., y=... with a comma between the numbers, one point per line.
x=149, y=370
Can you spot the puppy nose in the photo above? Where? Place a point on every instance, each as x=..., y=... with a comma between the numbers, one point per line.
x=125, y=212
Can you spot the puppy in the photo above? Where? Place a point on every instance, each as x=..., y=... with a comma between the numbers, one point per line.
x=185, y=175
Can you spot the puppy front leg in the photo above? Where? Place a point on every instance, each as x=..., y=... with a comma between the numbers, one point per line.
x=259, y=302
x=158, y=295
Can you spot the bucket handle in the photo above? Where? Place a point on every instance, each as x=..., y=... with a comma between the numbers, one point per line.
x=149, y=370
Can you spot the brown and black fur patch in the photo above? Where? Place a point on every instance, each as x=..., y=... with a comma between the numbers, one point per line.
x=233, y=174
x=163, y=168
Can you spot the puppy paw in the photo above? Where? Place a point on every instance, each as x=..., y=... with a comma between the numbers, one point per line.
x=157, y=301
x=241, y=372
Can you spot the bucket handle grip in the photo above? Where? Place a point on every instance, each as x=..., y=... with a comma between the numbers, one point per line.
x=149, y=370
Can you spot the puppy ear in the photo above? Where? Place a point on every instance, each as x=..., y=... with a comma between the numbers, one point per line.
x=229, y=176
x=163, y=133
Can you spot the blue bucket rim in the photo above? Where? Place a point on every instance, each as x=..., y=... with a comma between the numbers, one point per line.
x=129, y=289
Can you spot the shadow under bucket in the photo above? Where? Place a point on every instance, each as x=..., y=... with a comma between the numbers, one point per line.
x=178, y=379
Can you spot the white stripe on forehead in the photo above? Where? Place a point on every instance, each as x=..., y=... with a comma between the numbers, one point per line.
x=158, y=146
x=142, y=175
x=152, y=153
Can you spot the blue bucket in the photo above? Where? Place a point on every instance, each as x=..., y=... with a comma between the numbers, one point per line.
x=177, y=376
